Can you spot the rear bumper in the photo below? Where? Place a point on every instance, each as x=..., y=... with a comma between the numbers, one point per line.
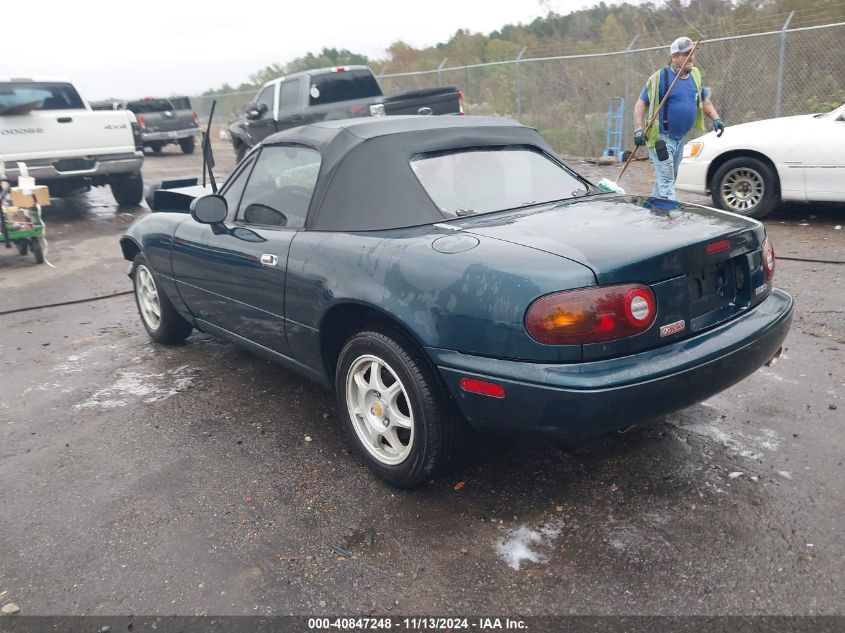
x=173, y=135
x=45, y=169
x=692, y=176
x=583, y=400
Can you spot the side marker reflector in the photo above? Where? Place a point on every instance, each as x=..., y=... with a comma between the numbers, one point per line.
x=484, y=388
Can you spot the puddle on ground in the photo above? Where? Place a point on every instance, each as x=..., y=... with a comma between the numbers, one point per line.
x=148, y=388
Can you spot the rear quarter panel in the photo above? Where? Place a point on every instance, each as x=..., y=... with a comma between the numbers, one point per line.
x=473, y=301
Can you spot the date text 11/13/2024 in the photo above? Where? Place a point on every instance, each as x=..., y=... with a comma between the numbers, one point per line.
x=417, y=624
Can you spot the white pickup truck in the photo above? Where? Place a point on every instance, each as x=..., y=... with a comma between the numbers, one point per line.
x=64, y=143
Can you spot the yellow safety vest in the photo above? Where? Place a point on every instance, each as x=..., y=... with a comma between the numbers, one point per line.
x=653, y=88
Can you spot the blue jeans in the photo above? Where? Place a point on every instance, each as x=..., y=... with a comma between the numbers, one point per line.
x=666, y=171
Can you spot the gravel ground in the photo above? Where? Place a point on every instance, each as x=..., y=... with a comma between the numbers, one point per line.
x=142, y=479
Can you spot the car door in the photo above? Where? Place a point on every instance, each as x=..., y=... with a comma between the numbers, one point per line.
x=290, y=104
x=234, y=278
x=824, y=164
x=265, y=125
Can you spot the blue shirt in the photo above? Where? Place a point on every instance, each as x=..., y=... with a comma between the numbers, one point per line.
x=681, y=107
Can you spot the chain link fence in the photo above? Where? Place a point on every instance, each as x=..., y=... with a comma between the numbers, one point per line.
x=751, y=77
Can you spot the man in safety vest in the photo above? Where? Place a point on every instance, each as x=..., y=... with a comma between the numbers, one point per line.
x=688, y=102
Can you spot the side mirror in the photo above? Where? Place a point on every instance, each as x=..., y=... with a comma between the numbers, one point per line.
x=255, y=111
x=211, y=209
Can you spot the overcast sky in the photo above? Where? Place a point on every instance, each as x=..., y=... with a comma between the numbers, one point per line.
x=160, y=47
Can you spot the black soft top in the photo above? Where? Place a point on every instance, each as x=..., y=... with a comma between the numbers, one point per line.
x=366, y=182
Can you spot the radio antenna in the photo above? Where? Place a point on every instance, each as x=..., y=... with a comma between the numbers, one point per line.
x=207, y=154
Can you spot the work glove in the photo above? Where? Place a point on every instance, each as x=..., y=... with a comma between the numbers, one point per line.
x=718, y=126
x=639, y=137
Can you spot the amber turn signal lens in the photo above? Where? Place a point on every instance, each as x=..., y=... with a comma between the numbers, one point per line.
x=591, y=315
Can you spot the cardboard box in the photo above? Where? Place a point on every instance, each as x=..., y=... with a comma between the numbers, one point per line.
x=40, y=194
x=16, y=219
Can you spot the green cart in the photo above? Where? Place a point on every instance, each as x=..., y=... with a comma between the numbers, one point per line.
x=26, y=236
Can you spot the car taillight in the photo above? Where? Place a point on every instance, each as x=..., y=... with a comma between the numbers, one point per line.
x=768, y=259
x=591, y=315
x=196, y=118
x=141, y=123
x=136, y=134
x=460, y=103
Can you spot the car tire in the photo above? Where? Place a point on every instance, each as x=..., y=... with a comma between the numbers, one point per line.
x=37, y=251
x=128, y=189
x=746, y=186
x=187, y=145
x=23, y=246
x=158, y=316
x=405, y=400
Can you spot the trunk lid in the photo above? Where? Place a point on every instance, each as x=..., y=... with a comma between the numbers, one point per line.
x=662, y=244
x=623, y=238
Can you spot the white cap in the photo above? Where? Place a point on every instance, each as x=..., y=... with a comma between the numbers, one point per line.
x=681, y=45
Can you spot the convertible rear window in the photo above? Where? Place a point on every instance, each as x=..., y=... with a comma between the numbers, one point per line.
x=475, y=180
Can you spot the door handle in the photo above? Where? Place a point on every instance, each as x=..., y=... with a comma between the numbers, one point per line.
x=268, y=259
x=64, y=119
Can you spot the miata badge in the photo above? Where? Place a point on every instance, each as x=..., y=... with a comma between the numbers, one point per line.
x=672, y=328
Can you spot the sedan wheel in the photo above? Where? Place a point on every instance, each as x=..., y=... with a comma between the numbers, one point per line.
x=396, y=410
x=747, y=186
x=161, y=320
x=742, y=189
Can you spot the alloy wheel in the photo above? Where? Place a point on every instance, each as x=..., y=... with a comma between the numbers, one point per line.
x=380, y=409
x=147, y=295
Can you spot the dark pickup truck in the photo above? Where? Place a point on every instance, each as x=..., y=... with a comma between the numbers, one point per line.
x=324, y=94
x=164, y=121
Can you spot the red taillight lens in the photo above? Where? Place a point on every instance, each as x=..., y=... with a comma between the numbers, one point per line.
x=460, y=102
x=484, y=388
x=768, y=259
x=196, y=118
x=591, y=315
x=140, y=118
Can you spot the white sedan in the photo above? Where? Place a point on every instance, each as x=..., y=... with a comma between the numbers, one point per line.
x=754, y=166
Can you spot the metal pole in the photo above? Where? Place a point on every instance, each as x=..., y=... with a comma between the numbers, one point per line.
x=518, y=87
x=627, y=72
x=439, y=71
x=779, y=94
